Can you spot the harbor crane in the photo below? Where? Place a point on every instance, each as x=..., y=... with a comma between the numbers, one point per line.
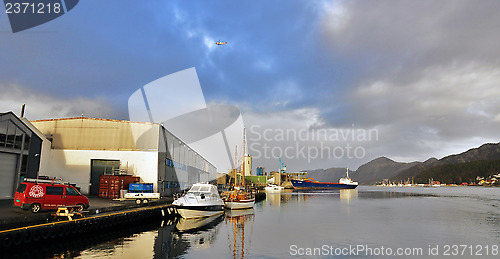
x=282, y=166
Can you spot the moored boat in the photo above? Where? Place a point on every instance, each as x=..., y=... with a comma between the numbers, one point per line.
x=309, y=183
x=202, y=200
x=273, y=187
x=240, y=197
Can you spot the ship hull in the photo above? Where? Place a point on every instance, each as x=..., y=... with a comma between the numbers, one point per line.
x=306, y=185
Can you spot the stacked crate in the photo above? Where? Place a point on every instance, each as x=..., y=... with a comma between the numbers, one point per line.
x=110, y=185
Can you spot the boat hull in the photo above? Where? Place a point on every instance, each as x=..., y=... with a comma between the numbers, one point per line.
x=306, y=185
x=191, y=212
x=240, y=204
x=274, y=188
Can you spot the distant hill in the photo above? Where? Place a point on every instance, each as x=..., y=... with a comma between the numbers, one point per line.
x=369, y=173
x=384, y=168
x=460, y=172
x=379, y=169
x=411, y=172
x=490, y=151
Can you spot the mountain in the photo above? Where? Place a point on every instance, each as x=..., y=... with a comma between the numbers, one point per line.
x=411, y=172
x=384, y=168
x=379, y=169
x=369, y=173
x=489, y=151
x=461, y=172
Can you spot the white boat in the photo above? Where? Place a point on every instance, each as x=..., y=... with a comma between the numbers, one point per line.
x=202, y=200
x=347, y=181
x=274, y=187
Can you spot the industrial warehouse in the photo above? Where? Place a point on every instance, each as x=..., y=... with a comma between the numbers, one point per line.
x=80, y=150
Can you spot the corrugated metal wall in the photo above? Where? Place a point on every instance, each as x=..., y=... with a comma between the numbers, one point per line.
x=99, y=134
x=180, y=166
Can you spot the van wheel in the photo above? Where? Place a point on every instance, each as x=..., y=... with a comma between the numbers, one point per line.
x=80, y=206
x=138, y=201
x=35, y=207
x=145, y=201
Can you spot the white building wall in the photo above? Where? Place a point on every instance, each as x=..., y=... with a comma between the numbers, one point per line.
x=74, y=165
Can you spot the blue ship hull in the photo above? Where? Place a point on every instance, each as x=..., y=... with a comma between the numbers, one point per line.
x=306, y=184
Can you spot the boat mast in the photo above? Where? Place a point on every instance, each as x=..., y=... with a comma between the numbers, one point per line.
x=236, y=165
x=244, y=158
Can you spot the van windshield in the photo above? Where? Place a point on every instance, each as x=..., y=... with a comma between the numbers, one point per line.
x=71, y=191
x=21, y=188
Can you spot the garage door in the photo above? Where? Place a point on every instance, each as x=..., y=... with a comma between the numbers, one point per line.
x=7, y=174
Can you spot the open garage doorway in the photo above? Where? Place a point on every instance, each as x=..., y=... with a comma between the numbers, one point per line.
x=100, y=167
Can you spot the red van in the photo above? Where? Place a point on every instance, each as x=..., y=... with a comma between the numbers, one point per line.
x=37, y=195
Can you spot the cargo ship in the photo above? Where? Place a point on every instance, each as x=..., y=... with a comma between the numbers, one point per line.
x=309, y=183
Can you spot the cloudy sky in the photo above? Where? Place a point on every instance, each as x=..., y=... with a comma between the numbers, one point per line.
x=404, y=79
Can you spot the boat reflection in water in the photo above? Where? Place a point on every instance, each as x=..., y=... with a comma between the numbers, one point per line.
x=348, y=195
x=176, y=240
x=197, y=224
x=240, y=223
x=275, y=199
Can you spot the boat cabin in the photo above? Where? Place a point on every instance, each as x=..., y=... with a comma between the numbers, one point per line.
x=198, y=189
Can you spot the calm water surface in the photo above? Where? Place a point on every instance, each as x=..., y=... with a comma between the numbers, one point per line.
x=418, y=221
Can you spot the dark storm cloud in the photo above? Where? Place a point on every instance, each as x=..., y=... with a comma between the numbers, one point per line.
x=398, y=39
x=428, y=71
x=423, y=73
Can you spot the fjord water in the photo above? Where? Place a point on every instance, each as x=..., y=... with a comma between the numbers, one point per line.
x=289, y=224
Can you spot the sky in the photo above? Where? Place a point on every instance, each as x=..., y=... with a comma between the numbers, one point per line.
x=319, y=83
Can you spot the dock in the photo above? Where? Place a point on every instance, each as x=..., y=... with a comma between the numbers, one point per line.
x=43, y=227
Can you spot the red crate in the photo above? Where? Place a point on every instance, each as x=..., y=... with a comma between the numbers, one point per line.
x=111, y=185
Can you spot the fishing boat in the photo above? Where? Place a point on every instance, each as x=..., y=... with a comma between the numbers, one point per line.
x=240, y=197
x=202, y=200
x=310, y=183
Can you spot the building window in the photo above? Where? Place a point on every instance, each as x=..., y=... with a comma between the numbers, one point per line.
x=3, y=133
x=18, y=142
x=24, y=164
x=27, y=142
x=11, y=135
